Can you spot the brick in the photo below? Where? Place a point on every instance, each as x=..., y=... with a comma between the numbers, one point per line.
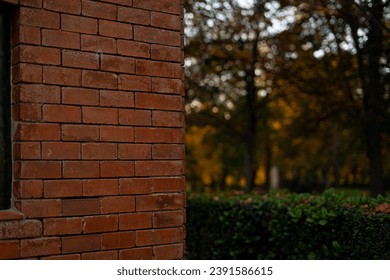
x=118, y=64
x=168, y=219
x=157, y=36
x=37, y=132
x=79, y=24
x=40, y=247
x=117, y=204
x=41, y=208
x=99, y=151
x=61, y=39
x=62, y=226
x=167, y=21
x=166, y=53
x=29, y=3
x=20, y=229
x=116, y=134
x=60, y=150
x=100, y=80
x=80, y=96
x=26, y=34
x=69, y=6
x=79, y=133
x=135, y=117
x=26, y=73
x=84, y=243
x=38, y=55
x=118, y=240
x=168, y=151
x=159, y=236
x=134, y=83
x=39, y=18
x=117, y=168
x=61, y=76
x=169, y=252
x=158, y=101
x=81, y=169
x=159, y=69
x=131, y=15
x=158, y=135
x=115, y=29
x=163, y=85
x=28, y=189
x=38, y=93
x=80, y=207
x=159, y=202
x=63, y=257
x=135, y=186
x=27, y=112
x=99, y=10
x=27, y=150
x=134, y=151
x=167, y=6
x=100, y=187
x=100, y=115
x=134, y=221
x=62, y=113
x=98, y=44
x=62, y=188
x=116, y=99
x=38, y=169
x=132, y=48
x=136, y=254
x=168, y=119
x=9, y=249
x=102, y=255
x=169, y=184
x=96, y=224
x=78, y=59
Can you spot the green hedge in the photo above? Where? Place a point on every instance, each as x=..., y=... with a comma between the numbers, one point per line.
x=291, y=226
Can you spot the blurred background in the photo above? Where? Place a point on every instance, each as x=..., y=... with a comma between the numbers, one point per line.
x=287, y=95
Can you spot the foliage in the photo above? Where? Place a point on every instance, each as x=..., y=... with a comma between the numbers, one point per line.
x=299, y=85
x=288, y=226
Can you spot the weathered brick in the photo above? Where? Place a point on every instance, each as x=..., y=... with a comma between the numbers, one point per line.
x=98, y=44
x=79, y=24
x=117, y=204
x=100, y=115
x=135, y=117
x=168, y=119
x=61, y=39
x=134, y=151
x=60, y=150
x=168, y=219
x=135, y=221
x=80, y=96
x=158, y=135
x=62, y=188
x=131, y=15
x=159, y=69
x=159, y=236
x=167, y=21
x=110, y=98
x=61, y=76
x=118, y=240
x=159, y=101
x=62, y=114
x=78, y=59
x=81, y=169
x=173, y=184
x=62, y=226
x=118, y=64
x=27, y=189
x=82, y=243
x=20, y=229
x=38, y=18
x=169, y=252
x=69, y=6
x=36, y=93
x=27, y=150
x=116, y=134
x=40, y=247
x=135, y=186
x=26, y=34
x=164, y=85
x=37, y=132
x=167, y=6
x=134, y=83
x=26, y=73
x=27, y=112
x=99, y=10
x=115, y=29
x=102, y=223
x=41, y=208
x=144, y=253
x=80, y=207
x=79, y=133
x=117, y=169
x=168, y=151
x=102, y=255
x=38, y=169
x=99, y=151
x=157, y=36
x=133, y=48
x=166, y=53
x=37, y=54
x=100, y=187
x=159, y=202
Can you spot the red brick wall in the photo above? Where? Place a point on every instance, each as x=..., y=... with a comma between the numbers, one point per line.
x=97, y=100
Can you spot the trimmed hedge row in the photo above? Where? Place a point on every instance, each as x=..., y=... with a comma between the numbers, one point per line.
x=294, y=226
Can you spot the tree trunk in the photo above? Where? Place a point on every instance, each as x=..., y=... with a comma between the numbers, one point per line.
x=374, y=99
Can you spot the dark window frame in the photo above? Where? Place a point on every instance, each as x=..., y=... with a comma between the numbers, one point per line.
x=5, y=108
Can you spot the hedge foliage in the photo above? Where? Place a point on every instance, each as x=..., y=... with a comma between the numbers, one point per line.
x=291, y=226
